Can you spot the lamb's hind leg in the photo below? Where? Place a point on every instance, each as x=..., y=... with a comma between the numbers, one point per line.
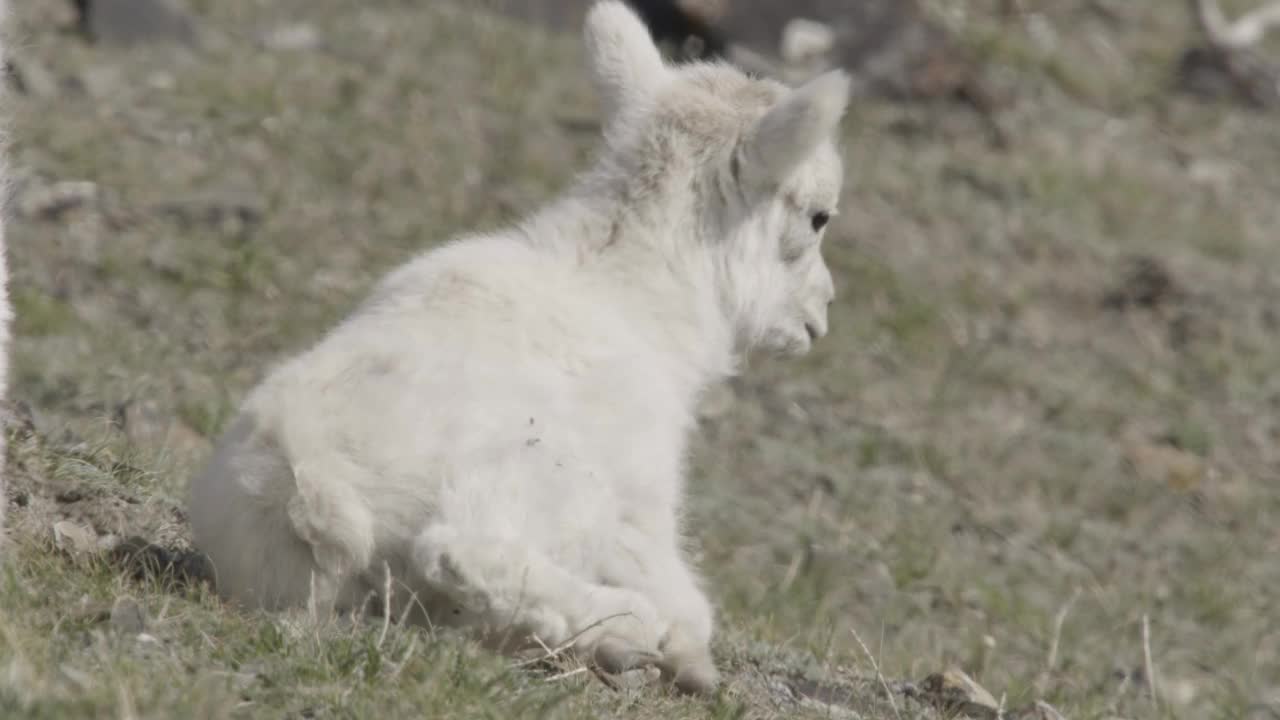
x=514, y=587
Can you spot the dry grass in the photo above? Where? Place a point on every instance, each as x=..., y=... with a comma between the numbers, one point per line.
x=986, y=439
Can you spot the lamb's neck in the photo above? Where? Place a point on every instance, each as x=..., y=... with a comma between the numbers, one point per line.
x=666, y=289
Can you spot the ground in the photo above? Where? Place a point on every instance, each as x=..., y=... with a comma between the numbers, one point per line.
x=1041, y=443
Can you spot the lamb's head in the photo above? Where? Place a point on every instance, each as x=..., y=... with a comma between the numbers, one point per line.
x=743, y=172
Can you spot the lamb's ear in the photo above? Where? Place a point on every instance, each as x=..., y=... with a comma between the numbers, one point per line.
x=623, y=58
x=793, y=129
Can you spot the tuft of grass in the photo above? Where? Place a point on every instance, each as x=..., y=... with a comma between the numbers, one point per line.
x=41, y=315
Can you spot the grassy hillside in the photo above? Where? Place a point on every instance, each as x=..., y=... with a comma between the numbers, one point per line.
x=1046, y=415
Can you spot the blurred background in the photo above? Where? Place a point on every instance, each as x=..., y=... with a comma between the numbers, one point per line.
x=1039, y=446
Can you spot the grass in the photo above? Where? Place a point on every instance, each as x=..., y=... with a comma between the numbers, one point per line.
x=984, y=465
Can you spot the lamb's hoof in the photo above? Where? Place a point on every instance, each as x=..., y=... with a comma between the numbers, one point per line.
x=695, y=676
x=615, y=656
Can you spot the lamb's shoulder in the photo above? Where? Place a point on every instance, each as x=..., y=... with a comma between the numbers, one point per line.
x=498, y=267
x=500, y=301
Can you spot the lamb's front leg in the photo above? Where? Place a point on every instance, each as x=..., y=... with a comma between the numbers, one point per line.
x=510, y=584
x=665, y=578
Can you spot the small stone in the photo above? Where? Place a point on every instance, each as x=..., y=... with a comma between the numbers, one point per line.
x=128, y=617
x=804, y=40
x=955, y=692
x=1160, y=463
x=101, y=81
x=1211, y=173
x=52, y=201
x=1179, y=691
x=74, y=538
x=636, y=678
x=161, y=80
x=108, y=542
x=290, y=38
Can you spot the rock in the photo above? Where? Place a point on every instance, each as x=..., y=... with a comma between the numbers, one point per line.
x=708, y=11
x=74, y=538
x=133, y=22
x=952, y=691
x=128, y=617
x=688, y=24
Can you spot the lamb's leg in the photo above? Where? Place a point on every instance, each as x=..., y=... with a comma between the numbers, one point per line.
x=513, y=586
x=667, y=580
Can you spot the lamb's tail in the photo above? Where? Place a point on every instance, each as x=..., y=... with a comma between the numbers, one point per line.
x=6, y=312
x=279, y=534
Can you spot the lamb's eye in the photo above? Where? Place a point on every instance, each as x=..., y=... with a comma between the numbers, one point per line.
x=820, y=220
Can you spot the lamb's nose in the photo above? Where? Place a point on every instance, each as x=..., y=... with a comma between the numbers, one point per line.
x=814, y=332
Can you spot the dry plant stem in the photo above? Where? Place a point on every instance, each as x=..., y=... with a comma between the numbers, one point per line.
x=128, y=710
x=879, y=676
x=408, y=653
x=1150, y=666
x=553, y=653
x=567, y=674
x=1246, y=31
x=603, y=678
x=1058, y=621
x=386, y=604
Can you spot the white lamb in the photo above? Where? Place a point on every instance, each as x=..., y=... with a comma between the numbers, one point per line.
x=503, y=422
